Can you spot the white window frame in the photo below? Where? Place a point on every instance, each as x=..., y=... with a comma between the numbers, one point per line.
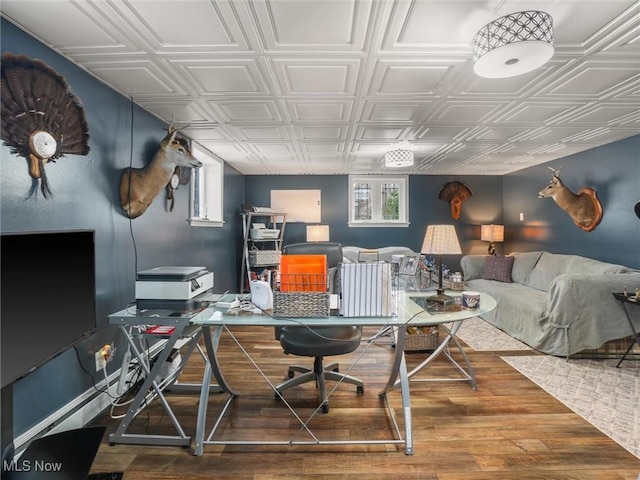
x=211, y=189
x=376, y=182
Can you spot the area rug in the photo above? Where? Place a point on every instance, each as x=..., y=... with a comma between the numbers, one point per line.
x=481, y=336
x=605, y=396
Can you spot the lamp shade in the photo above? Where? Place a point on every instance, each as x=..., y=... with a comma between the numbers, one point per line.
x=317, y=233
x=492, y=233
x=401, y=157
x=441, y=240
x=514, y=44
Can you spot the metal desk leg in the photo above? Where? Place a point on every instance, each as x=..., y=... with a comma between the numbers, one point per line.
x=468, y=374
x=399, y=376
x=211, y=341
x=202, y=411
x=145, y=394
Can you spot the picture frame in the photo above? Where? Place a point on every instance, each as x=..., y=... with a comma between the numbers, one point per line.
x=409, y=264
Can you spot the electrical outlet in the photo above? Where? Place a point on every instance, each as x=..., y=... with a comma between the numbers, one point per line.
x=104, y=356
x=100, y=361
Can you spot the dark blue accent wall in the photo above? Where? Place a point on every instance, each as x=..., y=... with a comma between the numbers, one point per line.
x=485, y=206
x=613, y=170
x=86, y=197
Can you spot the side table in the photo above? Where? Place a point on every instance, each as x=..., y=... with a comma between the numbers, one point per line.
x=627, y=300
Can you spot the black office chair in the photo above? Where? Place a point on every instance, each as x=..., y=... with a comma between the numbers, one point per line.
x=319, y=342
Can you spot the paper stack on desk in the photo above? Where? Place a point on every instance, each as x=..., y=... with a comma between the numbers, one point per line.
x=367, y=290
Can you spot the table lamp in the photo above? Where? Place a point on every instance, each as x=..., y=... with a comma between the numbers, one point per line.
x=440, y=240
x=317, y=233
x=492, y=233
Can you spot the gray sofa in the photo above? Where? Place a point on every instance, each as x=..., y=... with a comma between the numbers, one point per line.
x=557, y=304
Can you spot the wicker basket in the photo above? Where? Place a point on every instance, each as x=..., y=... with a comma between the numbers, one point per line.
x=300, y=304
x=262, y=258
x=424, y=338
x=449, y=285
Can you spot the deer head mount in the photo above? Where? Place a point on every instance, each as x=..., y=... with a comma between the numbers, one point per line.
x=455, y=193
x=584, y=207
x=139, y=186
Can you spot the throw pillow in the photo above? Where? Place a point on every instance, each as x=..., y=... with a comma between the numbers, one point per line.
x=498, y=267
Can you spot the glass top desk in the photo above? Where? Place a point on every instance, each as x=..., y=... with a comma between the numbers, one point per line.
x=202, y=324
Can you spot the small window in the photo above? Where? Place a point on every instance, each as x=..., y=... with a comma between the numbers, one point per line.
x=207, y=189
x=378, y=201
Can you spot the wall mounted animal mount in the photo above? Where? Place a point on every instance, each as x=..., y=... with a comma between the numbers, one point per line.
x=139, y=186
x=584, y=207
x=455, y=193
x=41, y=119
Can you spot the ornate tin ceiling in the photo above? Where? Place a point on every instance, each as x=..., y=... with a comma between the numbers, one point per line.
x=327, y=86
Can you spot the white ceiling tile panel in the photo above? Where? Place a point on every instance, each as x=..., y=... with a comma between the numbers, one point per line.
x=230, y=77
x=595, y=81
x=262, y=133
x=438, y=25
x=575, y=26
x=247, y=111
x=322, y=148
x=388, y=111
x=606, y=114
x=185, y=111
x=273, y=148
x=319, y=77
x=466, y=112
x=382, y=133
x=320, y=111
x=294, y=25
x=200, y=24
x=44, y=19
x=321, y=133
x=134, y=79
x=208, y=133
x=543, y=112
x=224, y=150
x=407, y=77
x=505, y=87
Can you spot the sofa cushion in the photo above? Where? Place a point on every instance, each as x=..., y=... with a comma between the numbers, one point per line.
x=523, y=264
x=498, y=267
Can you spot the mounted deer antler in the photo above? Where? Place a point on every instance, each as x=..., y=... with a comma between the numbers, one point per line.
x=139, y=186
x=584, y=207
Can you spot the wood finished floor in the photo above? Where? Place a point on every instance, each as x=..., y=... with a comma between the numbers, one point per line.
x=508, y=429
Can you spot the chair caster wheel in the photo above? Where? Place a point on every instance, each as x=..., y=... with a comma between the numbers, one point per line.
x=290, y=373
x=325, y=408
x=360, y=390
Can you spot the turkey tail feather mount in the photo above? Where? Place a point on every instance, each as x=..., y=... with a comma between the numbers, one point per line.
x=41, y=119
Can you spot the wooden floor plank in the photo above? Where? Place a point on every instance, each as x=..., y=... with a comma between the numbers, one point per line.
x=507, y=429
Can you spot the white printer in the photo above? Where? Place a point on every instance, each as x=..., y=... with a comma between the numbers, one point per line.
x=174, y=288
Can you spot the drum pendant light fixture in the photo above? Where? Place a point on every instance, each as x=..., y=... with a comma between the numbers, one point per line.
x=514, y=44
x=400, y=156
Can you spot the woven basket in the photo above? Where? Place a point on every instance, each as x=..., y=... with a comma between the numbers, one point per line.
x=421, y=340
x=449, y=285
x=261, y=258
x=300, y=304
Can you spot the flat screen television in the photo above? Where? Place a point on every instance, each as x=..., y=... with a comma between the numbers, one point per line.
x=47, y=297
